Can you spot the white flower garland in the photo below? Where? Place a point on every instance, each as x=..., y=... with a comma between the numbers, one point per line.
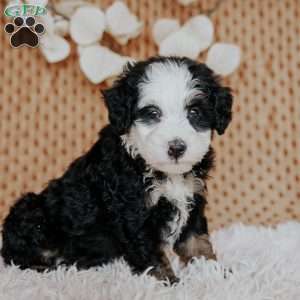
x=85, y=24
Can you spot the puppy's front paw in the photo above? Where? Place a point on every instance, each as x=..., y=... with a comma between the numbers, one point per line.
x=195, y=246
x=164, y=274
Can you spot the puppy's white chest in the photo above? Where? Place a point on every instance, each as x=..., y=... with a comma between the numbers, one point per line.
x=178, y=190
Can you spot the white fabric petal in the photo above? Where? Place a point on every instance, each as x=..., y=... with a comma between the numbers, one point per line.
x=121, y=23
x=100, y=63
x=223, y=58
x=186, y=2
x=81, y=48
x=68, y=8
x=163, y=28
x=194, y=37
x=54, y=48
x=61, y=26
x=180, y=44
x=202, y=28
x=87, y=25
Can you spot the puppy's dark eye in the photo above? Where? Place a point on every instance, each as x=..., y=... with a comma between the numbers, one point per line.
x=149, y=114
x=199, y=118
x=194, y=112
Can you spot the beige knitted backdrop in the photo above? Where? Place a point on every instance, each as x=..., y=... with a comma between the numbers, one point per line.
x=50, y=114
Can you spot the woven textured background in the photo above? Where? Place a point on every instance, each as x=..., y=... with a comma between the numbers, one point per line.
x=50, y=114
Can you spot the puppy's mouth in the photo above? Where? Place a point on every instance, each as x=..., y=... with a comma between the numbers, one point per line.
x=176, y=160
x=173, y=167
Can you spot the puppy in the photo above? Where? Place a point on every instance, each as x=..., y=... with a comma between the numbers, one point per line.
x=140, y=189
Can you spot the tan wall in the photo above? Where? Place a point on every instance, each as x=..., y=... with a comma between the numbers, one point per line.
x=50, y=114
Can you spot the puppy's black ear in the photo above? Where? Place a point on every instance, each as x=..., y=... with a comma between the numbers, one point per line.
x=220, y=98
x=121, y=100
x=222, y=107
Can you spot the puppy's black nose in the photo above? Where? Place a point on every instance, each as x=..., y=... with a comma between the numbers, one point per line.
x=177, y=148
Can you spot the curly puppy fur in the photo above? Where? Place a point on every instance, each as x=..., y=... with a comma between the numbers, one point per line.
x=141, y=187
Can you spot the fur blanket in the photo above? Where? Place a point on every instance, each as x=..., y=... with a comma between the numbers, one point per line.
x=257, y=263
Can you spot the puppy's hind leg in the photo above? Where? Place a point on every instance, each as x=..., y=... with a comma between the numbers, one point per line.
x=24, y=234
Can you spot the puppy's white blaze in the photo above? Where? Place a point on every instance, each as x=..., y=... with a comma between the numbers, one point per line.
x=170, y=87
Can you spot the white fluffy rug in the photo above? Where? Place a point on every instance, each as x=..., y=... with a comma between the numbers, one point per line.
x=265, y=265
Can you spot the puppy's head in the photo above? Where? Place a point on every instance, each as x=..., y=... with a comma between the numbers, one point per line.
x=166, y=108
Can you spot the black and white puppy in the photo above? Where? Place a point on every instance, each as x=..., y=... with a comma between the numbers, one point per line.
x=141, y=188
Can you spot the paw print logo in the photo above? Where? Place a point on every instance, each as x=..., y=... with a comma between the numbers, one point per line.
x=24, y=32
